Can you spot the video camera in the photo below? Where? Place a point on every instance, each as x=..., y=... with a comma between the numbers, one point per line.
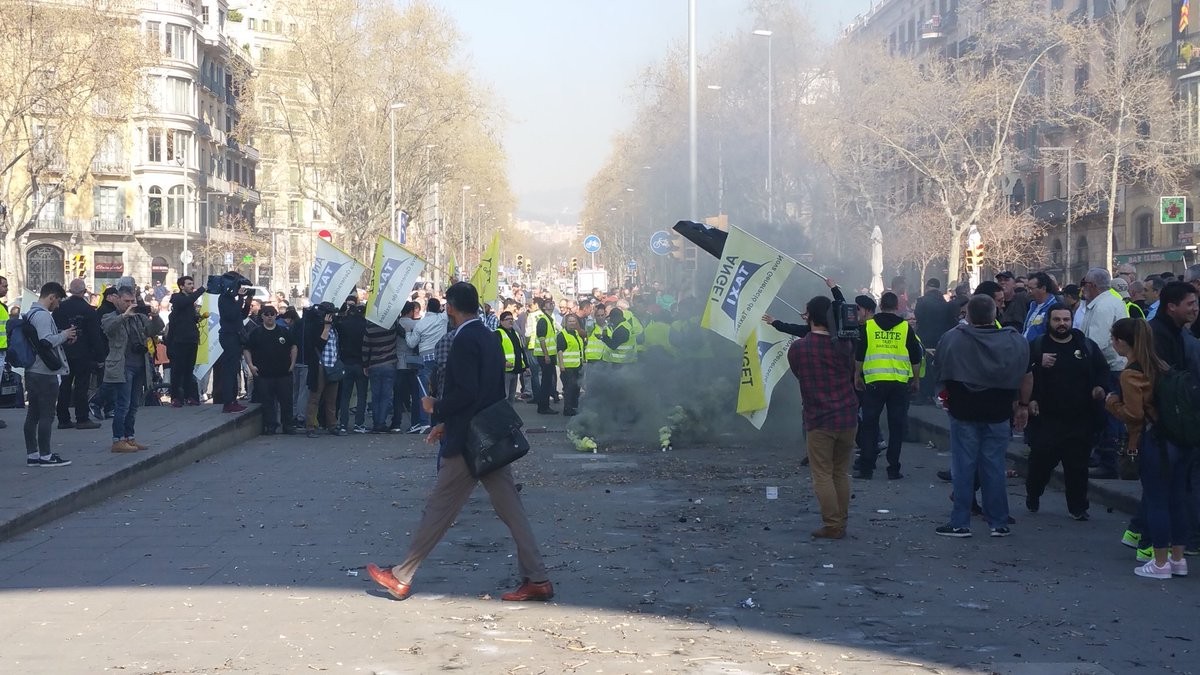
x=229, y=282
x=324, y=309
x=843, y=316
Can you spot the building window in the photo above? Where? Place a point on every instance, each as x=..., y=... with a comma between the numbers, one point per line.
x=154, y=208
x=176, y=41
x=253, y=23
x=154, y=145
x=204, y=14
x=294, y=214
x=175, y=205
x=179, y=95
x=266, y=25
x=266, y=56
x=105, y=207
x=154, y=32
x=1145, y=231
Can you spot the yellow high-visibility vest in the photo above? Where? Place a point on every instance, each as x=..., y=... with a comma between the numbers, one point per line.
x=3, y=327
x=572, y=356
x=887, y=354
x=635, y=331
x=595, y=348
x=658, y=334
x=551, y=338
x=626, y=352
x=510, y=350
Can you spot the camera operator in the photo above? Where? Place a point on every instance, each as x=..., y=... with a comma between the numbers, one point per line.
x=320, y=346
x=233, y=304
x=126, y=366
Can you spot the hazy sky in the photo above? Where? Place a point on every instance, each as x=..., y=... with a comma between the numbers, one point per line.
x=563, y=69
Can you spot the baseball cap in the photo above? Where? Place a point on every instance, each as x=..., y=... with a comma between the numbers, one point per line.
x=866, y=302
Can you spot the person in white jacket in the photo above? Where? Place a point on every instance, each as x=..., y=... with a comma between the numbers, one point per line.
x=41, y=382
x=1103, y=309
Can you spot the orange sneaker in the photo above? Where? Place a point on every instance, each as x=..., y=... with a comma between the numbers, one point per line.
x=389, y=581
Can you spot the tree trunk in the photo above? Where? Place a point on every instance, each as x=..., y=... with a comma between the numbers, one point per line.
x=15, y=269
x=1112, y=212
x=952, y=265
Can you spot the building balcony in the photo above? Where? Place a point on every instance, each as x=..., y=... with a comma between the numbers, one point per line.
x=203, y=130
x=110, y=167
x=54, y=223
x=164, y=231
x=251, y=152
x=217, y=184
x=102, y=225
x=932, y=29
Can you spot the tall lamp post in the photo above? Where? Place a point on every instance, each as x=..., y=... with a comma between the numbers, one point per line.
x=392, y=198
x=1070, y=166
x=720, y=151
x=462, y=259
x=770, y=129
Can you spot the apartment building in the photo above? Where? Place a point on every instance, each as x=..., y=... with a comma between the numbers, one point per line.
x=173, y=176
x=1036, y=177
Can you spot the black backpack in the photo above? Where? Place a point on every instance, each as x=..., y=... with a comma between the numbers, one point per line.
x=1177, y=399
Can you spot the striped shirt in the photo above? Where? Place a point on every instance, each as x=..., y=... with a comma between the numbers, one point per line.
x=379, y=346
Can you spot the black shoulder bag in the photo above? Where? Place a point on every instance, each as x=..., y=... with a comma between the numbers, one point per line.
x=494, y=439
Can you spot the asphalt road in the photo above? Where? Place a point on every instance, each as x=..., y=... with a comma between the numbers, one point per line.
x=663, y=563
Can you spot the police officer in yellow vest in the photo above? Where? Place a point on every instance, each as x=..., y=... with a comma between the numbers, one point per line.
x=571, y=345
x=545, y=351
x=3, y=331
x=622, y=350
x=887, y=361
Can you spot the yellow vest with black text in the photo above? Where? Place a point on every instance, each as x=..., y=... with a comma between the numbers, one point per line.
x=572, y=356
x=551, y=338
x=594, y=351
x=627, y=352
x=887, y=354
x=3, y=327
x=510, y=350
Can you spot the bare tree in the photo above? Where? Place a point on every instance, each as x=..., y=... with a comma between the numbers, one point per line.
x=70, y=74
x=1012, y=239
x=910, y=238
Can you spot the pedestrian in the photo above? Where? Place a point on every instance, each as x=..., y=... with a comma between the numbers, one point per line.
x=474, y=381
x=514, y=355
x=619, y=340
x=379, y=364
x=983, y=368
x=1151, y=288
x=571, y=343
x=1044, y=293
x=83, y=354
x=422, y=338
x=406, y=394
x=932, y=322
x=1102, y=310
x=824, y=368
x=887, y=360
x=270, y=354
x=351, y=328
x=3, y=333
x=320, y=339
x=126, y=367
x=1015, y=304
x=41, y=381
x=233, y=306
x=545, y=352
x=183, y=341
x=1162, y=465
x=1067, y=376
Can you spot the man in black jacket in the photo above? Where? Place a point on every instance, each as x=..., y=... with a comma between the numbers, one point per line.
x=933, y=320
x=352, y=328
x=885, y=343
x=183, y=339
x=82, y=356
x=474, y=381
x=233, y=305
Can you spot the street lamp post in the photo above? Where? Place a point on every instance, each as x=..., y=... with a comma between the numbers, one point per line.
x=693, y=159
x=770, y=129
x=392, y=198
x=720, y=151
x=462, y=260
x=1070, y=165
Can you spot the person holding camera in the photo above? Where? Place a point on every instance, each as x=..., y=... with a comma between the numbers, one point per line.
x=82, y=356
x=233, y=305
x=126, y=366
x=183, y=341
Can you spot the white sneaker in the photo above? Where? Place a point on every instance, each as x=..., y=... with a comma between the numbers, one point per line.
x=1178, y=567
x=1151, y=570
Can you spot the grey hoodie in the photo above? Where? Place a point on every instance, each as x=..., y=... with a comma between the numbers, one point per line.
x=983, y=357
x=43, y=321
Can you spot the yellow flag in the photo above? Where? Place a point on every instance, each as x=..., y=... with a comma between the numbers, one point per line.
x=485, y=280
x=749, y=274
x=765, y=357
x=452, y=267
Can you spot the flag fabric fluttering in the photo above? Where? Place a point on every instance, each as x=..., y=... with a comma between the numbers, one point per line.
x=764, y=363
x=749, y=275
x=209, y=349
x=486, y=279
x=393, y=273
x=334, y=274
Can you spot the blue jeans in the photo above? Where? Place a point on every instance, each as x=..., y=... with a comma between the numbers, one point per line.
x=383, y=379
x=128, y=396
x=355, y=379
x=535, y=373
x=979, y=448
x=1165, y=501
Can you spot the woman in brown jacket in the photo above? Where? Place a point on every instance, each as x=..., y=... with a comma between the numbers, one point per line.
x=1163, y=466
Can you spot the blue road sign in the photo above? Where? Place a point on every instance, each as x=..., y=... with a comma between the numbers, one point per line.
x=591, y=243
x=632, y=265
x=660, y=242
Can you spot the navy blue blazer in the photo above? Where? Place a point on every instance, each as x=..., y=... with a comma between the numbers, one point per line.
x=474, y=381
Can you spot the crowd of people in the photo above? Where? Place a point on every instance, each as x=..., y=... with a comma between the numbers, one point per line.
x=1101, y=377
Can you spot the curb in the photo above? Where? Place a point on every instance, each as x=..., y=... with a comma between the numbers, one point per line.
x=221, y=437
x=1098, y=492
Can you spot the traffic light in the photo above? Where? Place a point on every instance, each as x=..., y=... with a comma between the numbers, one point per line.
x=574, y=265
x=677, y=244
x=529, y=266
x=520, y=262
x=974, y=258
x=81, y=266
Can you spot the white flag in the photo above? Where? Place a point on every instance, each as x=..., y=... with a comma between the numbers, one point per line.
x=749, y=274
x=764, y=359
x=334, y=274
x=209, y=349
x=393, y=274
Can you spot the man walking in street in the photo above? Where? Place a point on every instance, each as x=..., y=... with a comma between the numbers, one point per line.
x=886, y=364
x=41, y=381
x=474, y=381
x=83, y=354
x=1067, y=375
x=270, y=355
x=825, y=370
x=982, y=367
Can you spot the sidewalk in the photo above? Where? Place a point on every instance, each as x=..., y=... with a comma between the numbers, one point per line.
x=177, y=437
x=928, y=423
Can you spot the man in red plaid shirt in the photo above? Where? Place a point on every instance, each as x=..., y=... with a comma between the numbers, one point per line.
x=825, y=369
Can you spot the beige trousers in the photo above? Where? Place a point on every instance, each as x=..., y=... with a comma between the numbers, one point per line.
x=829, y=457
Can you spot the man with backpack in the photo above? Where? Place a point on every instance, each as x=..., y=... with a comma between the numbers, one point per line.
x=1067, y=375
x=35, y=343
